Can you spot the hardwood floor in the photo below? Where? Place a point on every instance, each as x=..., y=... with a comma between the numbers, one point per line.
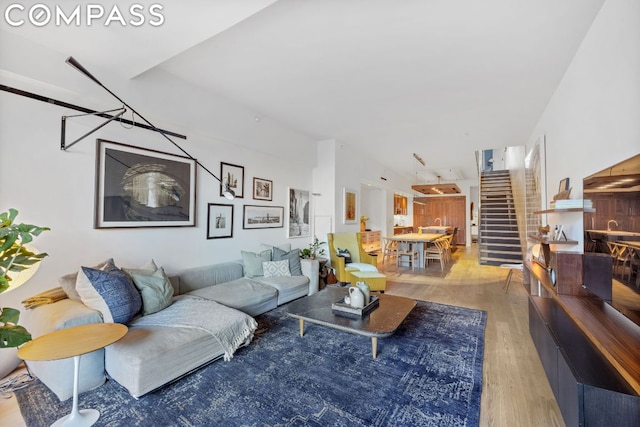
x=515, y=388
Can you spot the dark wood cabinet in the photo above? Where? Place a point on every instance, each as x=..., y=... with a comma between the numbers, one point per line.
x=588, y=388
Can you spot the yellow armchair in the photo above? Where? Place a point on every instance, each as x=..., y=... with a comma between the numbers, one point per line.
x=353, y=243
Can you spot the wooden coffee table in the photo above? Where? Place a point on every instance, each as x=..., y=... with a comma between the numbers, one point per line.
x=73, y=342
x=379, y=323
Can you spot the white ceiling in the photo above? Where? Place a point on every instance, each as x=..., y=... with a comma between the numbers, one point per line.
x=440, y=78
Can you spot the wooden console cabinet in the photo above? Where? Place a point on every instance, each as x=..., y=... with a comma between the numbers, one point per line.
x=371, y=240
x=590, y=352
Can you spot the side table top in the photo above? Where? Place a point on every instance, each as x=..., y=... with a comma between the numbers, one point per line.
x=73, y=341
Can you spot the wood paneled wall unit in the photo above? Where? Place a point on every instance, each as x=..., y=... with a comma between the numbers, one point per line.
x=452, y=211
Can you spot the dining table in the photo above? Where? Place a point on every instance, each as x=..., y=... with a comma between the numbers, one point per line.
x=419, y=239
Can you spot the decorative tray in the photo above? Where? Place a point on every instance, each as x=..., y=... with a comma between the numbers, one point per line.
x=342, y=309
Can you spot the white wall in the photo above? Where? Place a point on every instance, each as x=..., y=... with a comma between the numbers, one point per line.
x=592, y=121
x=56, y=189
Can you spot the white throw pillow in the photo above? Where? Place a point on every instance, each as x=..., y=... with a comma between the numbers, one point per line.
x=276, y=268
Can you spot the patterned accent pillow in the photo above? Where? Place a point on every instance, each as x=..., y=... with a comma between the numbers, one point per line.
x=292, y=256
x=109, y=292
x=68, y=281
x=276, y=268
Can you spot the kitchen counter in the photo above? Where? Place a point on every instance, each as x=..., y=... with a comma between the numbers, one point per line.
x=442, y=229
x=617, y=233
x=402, y=229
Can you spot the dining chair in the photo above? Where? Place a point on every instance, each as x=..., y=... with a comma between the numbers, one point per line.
x=436, y=251
x=409, y=250
x=634, y=264
x=448, y=244
x=390, y=249
x=621, y=255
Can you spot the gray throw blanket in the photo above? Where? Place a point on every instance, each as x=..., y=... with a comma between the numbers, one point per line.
x=232, y=328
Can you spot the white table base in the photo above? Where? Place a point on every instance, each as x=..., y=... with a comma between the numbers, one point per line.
x=77, y=418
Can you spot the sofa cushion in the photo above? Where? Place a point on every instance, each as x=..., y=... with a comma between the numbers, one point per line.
x=202, y=277
x=151, y=356
x=293, y=257
x=155, y=289
x=68, y=281
x=109, y=292
x=244, y=294
x=253, y=262
x=289, y=287
x=276, y=268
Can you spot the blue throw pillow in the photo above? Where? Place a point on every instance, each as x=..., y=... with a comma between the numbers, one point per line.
x=294, y=260
x=109, y=292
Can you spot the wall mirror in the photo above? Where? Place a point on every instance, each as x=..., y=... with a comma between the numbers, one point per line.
x=614, y=229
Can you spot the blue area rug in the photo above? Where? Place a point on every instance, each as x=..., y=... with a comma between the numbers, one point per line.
x=429, y=373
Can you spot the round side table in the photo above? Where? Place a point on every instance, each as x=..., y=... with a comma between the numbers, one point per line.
x=73, y=342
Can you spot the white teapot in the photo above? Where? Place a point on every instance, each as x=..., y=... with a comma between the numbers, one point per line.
x=357, y=297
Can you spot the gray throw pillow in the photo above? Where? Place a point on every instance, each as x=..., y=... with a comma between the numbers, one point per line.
x=155, y=289
x=253, y=262
x=294, y=260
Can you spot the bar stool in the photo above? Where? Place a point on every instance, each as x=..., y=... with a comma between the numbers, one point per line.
x=512, y=268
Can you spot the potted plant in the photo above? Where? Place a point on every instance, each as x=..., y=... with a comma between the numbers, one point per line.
x=15, y=257
x=315, y=248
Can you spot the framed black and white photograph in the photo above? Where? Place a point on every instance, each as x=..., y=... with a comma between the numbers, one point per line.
x=219, y=221
x=234, y=176
x=262, y=217
x=299, y=213
x=138, y=187
x=262, y=189
x=350, y=206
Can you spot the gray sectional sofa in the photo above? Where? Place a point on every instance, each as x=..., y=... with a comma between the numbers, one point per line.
x=151, y=356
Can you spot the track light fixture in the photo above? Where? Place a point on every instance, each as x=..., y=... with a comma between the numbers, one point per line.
x=227, y=192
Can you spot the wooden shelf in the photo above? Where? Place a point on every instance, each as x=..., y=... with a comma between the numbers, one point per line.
x=546, y=211
x=547, y=241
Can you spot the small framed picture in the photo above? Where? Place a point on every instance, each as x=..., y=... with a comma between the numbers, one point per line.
x=350, y=206
x=263, y=217
x=219, y=221
x=234, y=176
x=299, y=213
x=564, y=185
x=262, y=189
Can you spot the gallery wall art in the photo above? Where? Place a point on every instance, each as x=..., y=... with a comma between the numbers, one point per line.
x=138, y=187
x=299, y=213
x=219, y=221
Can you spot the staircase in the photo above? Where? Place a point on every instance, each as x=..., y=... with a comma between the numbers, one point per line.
x=498, y=237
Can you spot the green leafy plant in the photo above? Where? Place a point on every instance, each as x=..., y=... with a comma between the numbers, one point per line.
x=316, y=248
x=305, y=253
x=15, y=257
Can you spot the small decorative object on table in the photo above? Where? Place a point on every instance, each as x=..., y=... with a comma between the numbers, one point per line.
x=363, y=222
x=341, y=308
